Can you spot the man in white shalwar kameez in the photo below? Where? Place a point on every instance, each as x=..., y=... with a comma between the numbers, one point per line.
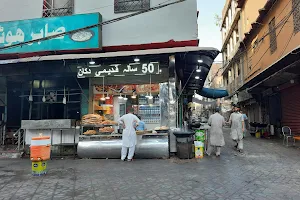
x=216, y=138
x=129, y=122
x=237, y=128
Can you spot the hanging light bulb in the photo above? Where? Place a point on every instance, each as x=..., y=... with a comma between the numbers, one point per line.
x=150, y=96
x=64, y=99
x=120, y=97
x=30, y=98
x=133, y=96
x=103, y=97
x=92, y=62
x=125, y=98
x=198, y=69
x=44, y=97
x=107, y=96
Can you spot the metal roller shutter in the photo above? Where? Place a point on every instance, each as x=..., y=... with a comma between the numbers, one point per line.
x=290, y=103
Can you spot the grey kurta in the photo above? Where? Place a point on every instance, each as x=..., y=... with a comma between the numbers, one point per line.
x=236, y=120
x=216, y=138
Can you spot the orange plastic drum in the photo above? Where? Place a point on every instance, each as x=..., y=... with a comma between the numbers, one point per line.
x=40, y=148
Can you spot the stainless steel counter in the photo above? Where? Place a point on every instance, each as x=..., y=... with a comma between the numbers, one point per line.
x=109, y=146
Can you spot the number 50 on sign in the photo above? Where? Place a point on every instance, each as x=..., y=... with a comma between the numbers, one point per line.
x=148, y=68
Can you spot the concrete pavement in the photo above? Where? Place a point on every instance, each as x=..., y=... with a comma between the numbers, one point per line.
x=266, y=170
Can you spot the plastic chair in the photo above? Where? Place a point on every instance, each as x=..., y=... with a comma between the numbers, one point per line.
x=287, y=134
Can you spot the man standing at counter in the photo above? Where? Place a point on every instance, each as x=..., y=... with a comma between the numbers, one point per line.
x=141, y=126
x=129, y=123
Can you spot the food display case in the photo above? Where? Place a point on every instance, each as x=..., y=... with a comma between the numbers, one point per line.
x=109, y=146
x=96, y=143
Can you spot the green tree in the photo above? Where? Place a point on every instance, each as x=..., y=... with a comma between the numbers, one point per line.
x=218, y=20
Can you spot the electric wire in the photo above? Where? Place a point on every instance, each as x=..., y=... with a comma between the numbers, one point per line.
x=91, y=26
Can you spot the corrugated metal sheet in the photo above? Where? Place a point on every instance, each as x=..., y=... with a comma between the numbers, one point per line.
x=290, y=103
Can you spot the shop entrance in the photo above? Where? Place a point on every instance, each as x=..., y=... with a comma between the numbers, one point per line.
x=43, y=98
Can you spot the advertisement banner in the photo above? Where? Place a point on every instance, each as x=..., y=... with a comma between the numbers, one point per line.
x=14, y=32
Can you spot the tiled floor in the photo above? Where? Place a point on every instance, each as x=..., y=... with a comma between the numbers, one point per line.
x=266, y=170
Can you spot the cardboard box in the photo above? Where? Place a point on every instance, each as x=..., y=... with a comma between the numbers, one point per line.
x=39, y=168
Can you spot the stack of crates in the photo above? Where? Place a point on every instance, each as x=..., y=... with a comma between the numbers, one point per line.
x=39, y=154
x=199, y=143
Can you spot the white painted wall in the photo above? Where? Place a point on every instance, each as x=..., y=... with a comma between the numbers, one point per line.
x=12, y=10
x=176, y=22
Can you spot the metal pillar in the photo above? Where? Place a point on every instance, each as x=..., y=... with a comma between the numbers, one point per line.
x=172, y=103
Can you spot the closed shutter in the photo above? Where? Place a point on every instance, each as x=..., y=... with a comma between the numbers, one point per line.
x=290, y=103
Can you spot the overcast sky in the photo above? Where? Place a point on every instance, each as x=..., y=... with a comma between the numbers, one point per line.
x=209, y=33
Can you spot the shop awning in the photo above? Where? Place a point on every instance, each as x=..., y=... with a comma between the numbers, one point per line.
x=213, y=93
x=193, y=68
x=187, y=59
x=211, y=52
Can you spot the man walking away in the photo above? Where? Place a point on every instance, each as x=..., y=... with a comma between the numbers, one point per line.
x=237, y=128
x=216, y=138
x=129, y=122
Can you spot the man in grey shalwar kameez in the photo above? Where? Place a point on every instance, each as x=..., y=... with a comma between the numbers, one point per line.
x=237, y=128
x=216, y=138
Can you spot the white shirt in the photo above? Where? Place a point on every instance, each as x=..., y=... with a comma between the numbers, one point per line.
x=129, y=135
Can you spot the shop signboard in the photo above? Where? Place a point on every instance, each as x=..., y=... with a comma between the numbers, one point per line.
x=15, y=32
x=118, y=70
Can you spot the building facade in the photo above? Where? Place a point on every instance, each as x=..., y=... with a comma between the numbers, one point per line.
x=268, y=61
x=57, y=62
x=237, y=19
x=156, y=29
x=41, y=18
x=271, y=64
x=214, y=78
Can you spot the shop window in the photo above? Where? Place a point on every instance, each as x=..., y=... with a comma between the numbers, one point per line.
x=122, y=6
x=56, y=8
x=273, y=37
x=296, y=15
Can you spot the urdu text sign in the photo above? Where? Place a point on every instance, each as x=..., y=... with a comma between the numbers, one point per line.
x=118, y=70
x=15, y=32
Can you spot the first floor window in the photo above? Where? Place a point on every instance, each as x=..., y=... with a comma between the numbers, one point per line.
x=56, y=8
x=273, y=36
x=122, y=6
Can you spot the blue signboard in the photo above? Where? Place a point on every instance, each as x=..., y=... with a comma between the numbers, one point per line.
x=15, y=32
